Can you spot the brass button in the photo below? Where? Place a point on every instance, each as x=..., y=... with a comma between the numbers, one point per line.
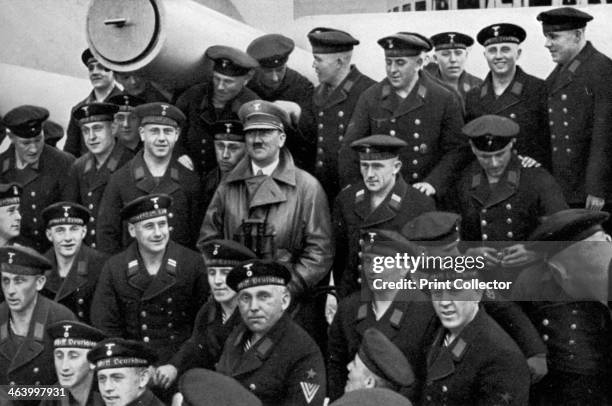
x=512, y=115
x=565, y=124
x=34, y=206
x=444, y=388
x=485, y=237
x=80, y=301
x=508, y=206
x=319, y=164
x=483, y=222
x=90, y=206
x=320, y=126
x=340, y=138
x=146, y=339
x=203, y=141
x=416, y=136
x=554, y=149
x=91, y=219
x=393, y=120
x=572, y=342
x=169, y=300
x=545, y=322
x=415, y=162
x=563, y=97
x=415, y=175
x=392, y=133
x=568, y=150
x=320, y=114
x=565, y=110
x=545, y=337
x=573, y=326
x=510, y=234
x=551, y=123
x=550, y=110
x=415, y=148
x=92, y=232
x=170, y=325
x=36, y=370
x=80, y=314
x=143, y=314
x=509, y=221
x=358, y=280
x=574, y=312
x=89, y=194
x=417, y=121
x=341, y=113
x=144, y=327
x=320, y=139
x=33, y=193
x=341, y=126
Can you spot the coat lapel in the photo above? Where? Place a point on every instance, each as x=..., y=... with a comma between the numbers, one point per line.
x=165, y=278
x=33, y=344
x=5, y=347
x=76, y=278
x=169, y=183
x=507, y=186
x=415, y=99
x=389, y=208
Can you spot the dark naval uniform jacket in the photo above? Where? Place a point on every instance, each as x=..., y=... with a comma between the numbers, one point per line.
x=42, y=185
x=134, y=180
x=509, y=210
x=353, y=216
x=467, y=81
x=210, y=182
x=197, y=138
x=298, y=89
x=74, y=139
x=156, y=309
x=203, y=349
x=148, y=398
x=409, y=323
x=31, y=362
x=429, y=119
x=330, y=114
x=577, y=333
x=580, y=114
x=284, y=368
x=77, y=289
x=86, y=184
x=482, y=366
x=524, y=101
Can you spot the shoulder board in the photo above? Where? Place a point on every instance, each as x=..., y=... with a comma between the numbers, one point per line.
x=422, y=92
x=459, y=348
x=359, y=195
x=395, y=201
x=517, y=88
x=132, y=267
x=82, y=268
x=396, y=317
x=171, y=268
x=265, y=346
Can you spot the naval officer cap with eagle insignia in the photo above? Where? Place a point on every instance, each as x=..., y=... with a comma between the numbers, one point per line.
x=19, y=260
x=160, y=113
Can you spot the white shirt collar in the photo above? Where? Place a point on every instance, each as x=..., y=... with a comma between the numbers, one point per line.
x=267, y=170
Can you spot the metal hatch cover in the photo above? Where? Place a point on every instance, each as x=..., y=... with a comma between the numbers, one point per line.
x=122, y=31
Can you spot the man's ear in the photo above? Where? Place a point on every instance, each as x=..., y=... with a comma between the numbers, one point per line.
x=40, y=282
x=141, y=132
x=132, y=230
x=48, y=234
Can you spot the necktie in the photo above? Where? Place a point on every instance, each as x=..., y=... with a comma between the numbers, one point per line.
x=247, y=345
x=447, y=340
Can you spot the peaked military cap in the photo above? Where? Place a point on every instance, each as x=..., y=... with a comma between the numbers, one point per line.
x=231, y=61
x=146, y=207
x=228, y=130
x=330, y=41
x=121, y=353
x=160, y=113
x=9, y=194
x=271, y=50
x=378, y=146
x=563, y=19
x=502, y=32
x=87, y=56
x=451, y=40
x=92, y=112
x=21, y=260
x=372, y=396
x=565, y=227
x=225, y=253
x=201, y=387
x=490, y=132
x=384, y=359
x=257, y=272
x=405, y=44
x=62, y=213
x=433, y=228
x=126, y=102
x=74, y=334
x=262, y=115
x=26, y=121
x=53, y=132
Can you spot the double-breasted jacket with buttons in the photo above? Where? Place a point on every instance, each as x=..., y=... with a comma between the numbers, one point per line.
x=353, y=216
x=42, y=185
x=481, y=366
x=31, y=362
x=331, y=112
x=86, y=184
x=197, y=138
x=580, y=114
x=156, y=309
x=76, y=290
x=509, y=210
x=524, y=101
x=135, y=180
x=283, y=368
x=429, y=119
x=409, y=323
x=577, y=333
